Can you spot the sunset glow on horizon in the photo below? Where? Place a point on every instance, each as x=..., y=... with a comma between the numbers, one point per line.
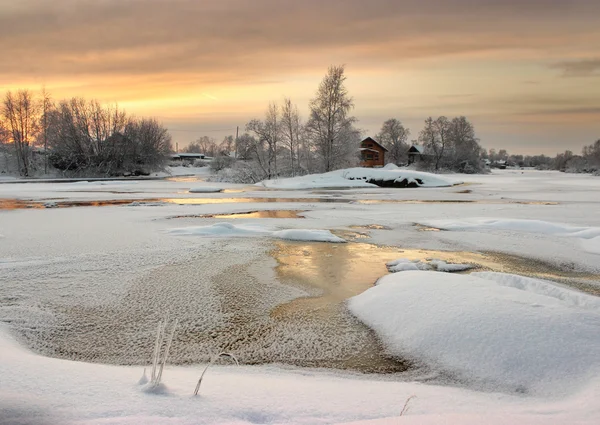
x=526, y=73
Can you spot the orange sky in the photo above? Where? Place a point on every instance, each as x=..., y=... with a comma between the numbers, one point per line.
x=527, y=73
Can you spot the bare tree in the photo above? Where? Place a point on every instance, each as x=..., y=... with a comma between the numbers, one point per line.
x=465, y=152
x=88, y=138
x=591, y=154
x=291, y=130
x=393, y=135
x=330, y=125
x=21, y=113
x=4, y=147
x=267, y=134
x=227, y=146
x=46, y=108
x=435, y=138
x=204, y=144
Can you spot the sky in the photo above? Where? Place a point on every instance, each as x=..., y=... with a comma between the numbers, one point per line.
x=525, y=72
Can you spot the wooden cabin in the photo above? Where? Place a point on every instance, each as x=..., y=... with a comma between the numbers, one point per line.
x=372, y=154
x=415, y=154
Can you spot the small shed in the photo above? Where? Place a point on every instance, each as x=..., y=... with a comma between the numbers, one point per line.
x=416, y=153
x=372, y=154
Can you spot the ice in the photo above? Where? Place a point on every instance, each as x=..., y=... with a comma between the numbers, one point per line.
x=359, y=177
x=233, y=230
x=502, y=337
x=205, y=189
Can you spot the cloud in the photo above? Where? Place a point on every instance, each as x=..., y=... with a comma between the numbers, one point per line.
x=232, y=39
x=579, y=68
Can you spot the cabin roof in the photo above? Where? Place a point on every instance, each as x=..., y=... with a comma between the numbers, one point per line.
x=417, y=149
x=370, y=139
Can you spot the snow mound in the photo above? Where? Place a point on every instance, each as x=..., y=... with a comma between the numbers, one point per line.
x=145, y=204
x=206, y=189
x=235, y=230
x=542, y=287
x=405, y=264
x=361, y=177
x=519, y=336
x=308, y=235
x=442, y=266
x=589, y=236
x=221, y=229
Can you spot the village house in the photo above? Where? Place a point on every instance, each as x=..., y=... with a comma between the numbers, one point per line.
x=416, y=153
x=372, y=154
x=187, y=157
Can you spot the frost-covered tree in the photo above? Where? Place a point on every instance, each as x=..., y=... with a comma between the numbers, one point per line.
x=435, y=138
x=203, y=144
x=330, y=125
x=267, y=134
x=89, y=138
x=393, y=135
x=291, y=132
x=21, y=113
x=464, y=154
x=591, y=154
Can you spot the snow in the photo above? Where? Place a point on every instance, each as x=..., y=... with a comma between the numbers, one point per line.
x=37, y=389
x=307, y=235
x=501, y=336
x=442, y=266
x=405, y=264
x=542, y=287
x=205, y=189
x=589, y=236
x=359, y=177
x=232, y=230
x=117, y=269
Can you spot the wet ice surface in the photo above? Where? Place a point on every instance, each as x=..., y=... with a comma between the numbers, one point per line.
x=227, y=297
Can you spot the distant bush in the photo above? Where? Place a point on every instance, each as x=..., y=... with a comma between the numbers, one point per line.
x=221, y=162
x=201, y=163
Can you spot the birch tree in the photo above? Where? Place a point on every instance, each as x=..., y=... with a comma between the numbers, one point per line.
x=330, y=126
x=291, y=129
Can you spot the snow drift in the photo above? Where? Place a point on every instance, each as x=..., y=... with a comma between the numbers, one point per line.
x=361, y=177
x=232, y=230
x=516, y=335
x=589, y=236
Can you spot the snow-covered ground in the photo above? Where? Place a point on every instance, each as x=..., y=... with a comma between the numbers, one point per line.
x=362, y=177
x=90, y=283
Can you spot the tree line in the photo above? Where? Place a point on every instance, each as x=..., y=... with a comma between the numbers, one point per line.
x=78, y=136
x=281, y=144
x=586, y=162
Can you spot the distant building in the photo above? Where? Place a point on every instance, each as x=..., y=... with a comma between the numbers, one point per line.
x=416, y=153
x=187, y=157
x=372, y=154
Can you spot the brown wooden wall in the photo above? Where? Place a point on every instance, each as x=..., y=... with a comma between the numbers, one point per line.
x=370, y=158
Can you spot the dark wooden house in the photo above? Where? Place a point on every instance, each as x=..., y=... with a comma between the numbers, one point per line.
x=416, y=154
x=372, y=154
